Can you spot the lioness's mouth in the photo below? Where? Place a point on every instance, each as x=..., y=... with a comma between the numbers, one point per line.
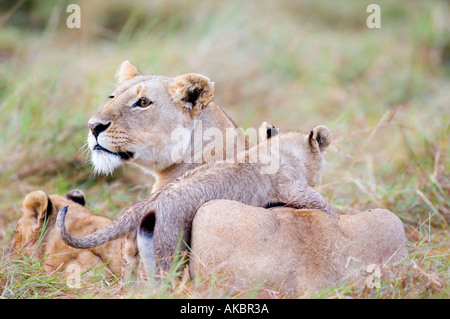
x=123, y=155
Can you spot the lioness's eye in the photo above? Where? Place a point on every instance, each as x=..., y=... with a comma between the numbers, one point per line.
x=142, y=102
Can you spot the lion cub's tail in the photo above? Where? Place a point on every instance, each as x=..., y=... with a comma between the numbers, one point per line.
x=118, y=228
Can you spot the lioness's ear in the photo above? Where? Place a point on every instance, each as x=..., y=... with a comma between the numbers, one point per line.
x=37, y=206
x=320, y=137
x=192, y=92
x=127, y=71
x=77, y=196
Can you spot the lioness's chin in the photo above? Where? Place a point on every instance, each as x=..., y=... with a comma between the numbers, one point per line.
x=105, y=163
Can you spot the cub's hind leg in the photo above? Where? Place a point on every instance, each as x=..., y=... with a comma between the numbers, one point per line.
x=130, y=258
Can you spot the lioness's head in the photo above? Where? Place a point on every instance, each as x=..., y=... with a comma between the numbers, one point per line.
x=38, y=211
x=136, y=124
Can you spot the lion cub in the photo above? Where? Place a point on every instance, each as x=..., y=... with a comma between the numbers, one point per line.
x=161, y=218
x=36, y=234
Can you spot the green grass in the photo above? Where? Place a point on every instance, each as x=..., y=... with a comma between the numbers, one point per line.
x=383, y=93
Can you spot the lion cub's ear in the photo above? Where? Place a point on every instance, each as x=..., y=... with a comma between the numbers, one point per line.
x=127, y=71
x=320, y=137
x=76, y=196
x=192, y=92
x=267, y=131
x=37, y=206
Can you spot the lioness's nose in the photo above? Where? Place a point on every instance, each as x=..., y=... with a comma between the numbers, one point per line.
x=97, y=128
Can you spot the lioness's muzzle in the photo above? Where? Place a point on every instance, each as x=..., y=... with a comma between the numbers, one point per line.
x=123, y=155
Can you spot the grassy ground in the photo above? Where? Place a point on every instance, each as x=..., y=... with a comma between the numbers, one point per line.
x=384, y=93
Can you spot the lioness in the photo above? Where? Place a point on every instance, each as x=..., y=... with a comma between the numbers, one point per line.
x=137, y=126
x=170, y=211
x=36, y=234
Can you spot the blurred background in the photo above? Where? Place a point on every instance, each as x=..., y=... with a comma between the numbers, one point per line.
x=384, y=93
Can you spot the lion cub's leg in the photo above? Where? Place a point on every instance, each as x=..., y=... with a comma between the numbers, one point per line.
x=303, y=196
x=130, y=260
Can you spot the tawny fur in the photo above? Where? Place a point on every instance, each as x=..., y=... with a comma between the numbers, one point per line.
x=300, y=162
x=39, y=210
x=176, y=103
x=145, y=133
x=290, y=250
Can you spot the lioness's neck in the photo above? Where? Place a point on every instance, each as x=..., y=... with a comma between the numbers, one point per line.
x=213, y=117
